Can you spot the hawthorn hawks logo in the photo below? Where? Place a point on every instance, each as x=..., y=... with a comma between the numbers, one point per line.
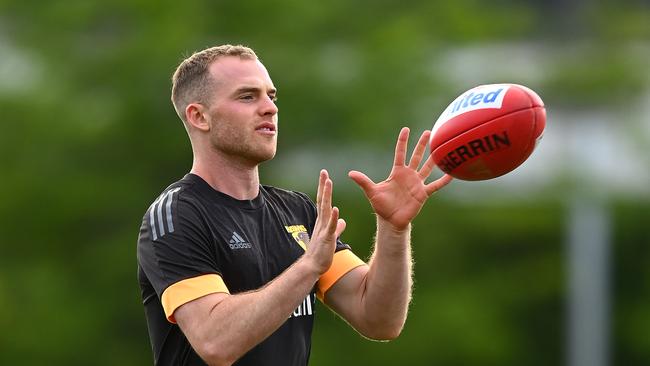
x=299, y=234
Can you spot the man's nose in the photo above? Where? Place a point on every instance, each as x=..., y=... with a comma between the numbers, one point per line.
x=268, y=106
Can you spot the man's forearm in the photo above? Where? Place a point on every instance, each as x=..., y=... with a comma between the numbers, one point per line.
x=389, y=279
x=241, y=321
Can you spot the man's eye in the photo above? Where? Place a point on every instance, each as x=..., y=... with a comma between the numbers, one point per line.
x=246, y=97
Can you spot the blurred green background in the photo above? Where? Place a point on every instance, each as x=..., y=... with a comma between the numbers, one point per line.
x=89, y=138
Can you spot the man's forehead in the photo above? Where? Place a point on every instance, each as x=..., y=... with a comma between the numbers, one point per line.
x=237, y=71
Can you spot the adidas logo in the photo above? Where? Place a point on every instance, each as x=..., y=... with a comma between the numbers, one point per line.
x=237, y=242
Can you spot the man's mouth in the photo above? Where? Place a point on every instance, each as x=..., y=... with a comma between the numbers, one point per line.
x=267, y=128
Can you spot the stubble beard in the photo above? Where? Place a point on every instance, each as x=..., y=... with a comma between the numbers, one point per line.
x=244, y=150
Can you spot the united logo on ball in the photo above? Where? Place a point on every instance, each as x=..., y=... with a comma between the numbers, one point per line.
x=488, y=131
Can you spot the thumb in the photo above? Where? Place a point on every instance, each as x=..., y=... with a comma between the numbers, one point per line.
x=340, y=227
x=362, y=180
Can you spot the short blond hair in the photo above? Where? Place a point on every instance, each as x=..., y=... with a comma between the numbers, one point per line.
x=191, y=81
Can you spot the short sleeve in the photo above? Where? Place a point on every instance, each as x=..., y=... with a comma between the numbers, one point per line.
x=176, y=252
x=344, y=261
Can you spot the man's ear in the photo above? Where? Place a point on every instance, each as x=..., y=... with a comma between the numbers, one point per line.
x=195, y=114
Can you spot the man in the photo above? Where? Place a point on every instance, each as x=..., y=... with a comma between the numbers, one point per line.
x=229, y=269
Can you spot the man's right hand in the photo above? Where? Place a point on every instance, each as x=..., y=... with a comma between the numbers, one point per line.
x=328, y=227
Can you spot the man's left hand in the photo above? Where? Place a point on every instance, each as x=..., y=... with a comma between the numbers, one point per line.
x=399, y=198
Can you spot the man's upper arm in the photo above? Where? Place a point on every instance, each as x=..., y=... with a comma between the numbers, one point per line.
x=341, y=287
x=344, y=297
x=343, y=262
x=190, y=315
x=189, y=290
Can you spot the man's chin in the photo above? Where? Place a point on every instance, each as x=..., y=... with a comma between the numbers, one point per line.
x=267, y=157
x=250, y=156
x=259, y=157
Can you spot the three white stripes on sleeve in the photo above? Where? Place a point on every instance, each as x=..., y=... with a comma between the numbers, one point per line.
x=160, y=211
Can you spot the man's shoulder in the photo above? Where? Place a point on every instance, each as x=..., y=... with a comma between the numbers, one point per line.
x=185, y=187
x=161, y=217
x=184, y=191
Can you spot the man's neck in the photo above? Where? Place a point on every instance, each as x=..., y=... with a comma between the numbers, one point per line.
x=233, y=178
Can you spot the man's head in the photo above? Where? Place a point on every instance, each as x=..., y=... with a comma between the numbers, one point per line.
x=191, y=81
x=226, y=99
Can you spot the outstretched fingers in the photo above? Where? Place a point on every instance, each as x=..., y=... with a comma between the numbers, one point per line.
x=323, y=201
x=418, y=152
x=321, y=184
x=340, y=227
x=336, y=225
x=400, y=147
x=437, y=184
x=325, y=206
x=427, y=167
x=362, y=180
x=333, y=225
x=327, y=228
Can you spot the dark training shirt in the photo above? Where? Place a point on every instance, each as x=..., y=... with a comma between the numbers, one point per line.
x=195, y=241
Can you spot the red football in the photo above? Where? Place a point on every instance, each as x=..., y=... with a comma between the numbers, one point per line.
x=488, y=131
